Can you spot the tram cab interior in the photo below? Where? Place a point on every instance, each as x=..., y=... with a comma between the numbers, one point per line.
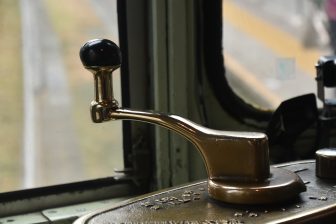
x=234, y=100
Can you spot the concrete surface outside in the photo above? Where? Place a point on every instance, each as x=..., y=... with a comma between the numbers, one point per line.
x=271, y=48
x=48, y=137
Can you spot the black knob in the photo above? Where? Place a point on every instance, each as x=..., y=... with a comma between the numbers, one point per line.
x=326, y=69
x=100, y=53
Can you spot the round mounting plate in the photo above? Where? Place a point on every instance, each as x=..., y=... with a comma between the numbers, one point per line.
x=281, y=186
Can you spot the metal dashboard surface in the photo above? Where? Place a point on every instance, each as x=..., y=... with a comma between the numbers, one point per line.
x=191, y=204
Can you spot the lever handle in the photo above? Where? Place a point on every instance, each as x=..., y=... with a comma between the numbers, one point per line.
x=237, y=163
x=101, y=57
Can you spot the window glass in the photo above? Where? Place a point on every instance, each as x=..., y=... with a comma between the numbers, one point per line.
x=46, y=133
x=271, y=47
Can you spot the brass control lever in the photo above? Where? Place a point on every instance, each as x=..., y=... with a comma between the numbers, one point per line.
x=237, y=163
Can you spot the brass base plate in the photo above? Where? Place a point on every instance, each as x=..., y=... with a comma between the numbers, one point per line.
x=281, y=186
x=192, y=204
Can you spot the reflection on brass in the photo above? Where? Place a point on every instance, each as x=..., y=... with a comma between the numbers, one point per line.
x=237, y=163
